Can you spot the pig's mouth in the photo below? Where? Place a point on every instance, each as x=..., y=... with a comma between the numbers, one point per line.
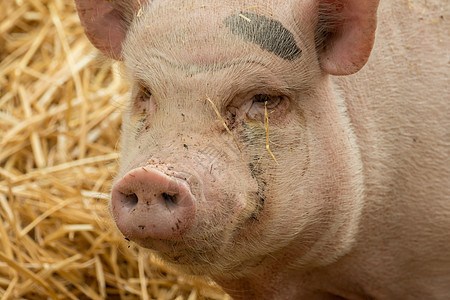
x=172, y=251
x=189, y=252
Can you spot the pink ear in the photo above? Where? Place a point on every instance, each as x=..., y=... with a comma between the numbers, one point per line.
x=106, y=22
x=345, y=35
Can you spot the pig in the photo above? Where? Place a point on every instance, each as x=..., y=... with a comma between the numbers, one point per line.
x=293, y=149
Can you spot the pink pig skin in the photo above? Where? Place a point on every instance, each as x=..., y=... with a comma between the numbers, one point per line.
x=353, y=204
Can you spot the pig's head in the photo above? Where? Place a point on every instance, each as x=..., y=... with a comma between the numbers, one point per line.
x=235, y=149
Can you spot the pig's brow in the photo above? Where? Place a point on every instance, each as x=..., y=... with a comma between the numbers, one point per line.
x=196, y=69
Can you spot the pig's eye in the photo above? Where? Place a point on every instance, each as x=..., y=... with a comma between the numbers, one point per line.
x=260, y=102
x=272, y=101
x=144, y=94
x=143, y=101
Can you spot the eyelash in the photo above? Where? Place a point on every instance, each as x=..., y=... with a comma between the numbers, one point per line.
x=271, y=100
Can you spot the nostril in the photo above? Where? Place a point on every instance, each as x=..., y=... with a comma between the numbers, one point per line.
x=130, y=200
x=172, y=199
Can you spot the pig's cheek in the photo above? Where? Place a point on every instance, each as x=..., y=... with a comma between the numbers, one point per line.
x=259, y=197
x=237, y=203
x=228, y=189
x=253, y=137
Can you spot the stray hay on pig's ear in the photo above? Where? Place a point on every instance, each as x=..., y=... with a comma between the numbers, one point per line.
x=106, y=22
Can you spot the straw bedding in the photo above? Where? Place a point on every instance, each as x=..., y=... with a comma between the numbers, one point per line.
x=60, y=115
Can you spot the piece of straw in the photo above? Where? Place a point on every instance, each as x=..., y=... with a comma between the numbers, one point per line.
x=266, y=122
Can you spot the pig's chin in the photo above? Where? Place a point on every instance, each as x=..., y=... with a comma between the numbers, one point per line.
x=204, y=262
x=174, y=252
x=209, y=255
x=190, y=256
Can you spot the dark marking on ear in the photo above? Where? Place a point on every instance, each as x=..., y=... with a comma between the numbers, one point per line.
x=269, y=34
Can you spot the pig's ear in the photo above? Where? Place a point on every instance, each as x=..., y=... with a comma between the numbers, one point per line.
x=106, y=22
x=345, y=34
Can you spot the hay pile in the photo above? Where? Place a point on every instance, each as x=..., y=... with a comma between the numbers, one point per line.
x=59, y=124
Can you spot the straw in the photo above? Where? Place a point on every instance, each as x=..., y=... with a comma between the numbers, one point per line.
x=266, y=124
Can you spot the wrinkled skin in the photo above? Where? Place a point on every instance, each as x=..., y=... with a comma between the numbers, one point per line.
x=355, y=201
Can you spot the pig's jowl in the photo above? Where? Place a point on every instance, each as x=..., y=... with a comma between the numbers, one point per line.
x=288, y=149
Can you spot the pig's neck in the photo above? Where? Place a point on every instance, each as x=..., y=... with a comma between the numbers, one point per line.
x=275, y=282
x=273, y=279
x=258, y=287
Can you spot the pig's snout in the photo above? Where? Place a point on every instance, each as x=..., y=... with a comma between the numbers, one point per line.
x=148, y=204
